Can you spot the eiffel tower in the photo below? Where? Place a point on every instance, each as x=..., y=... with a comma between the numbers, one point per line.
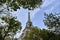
x=28, y=27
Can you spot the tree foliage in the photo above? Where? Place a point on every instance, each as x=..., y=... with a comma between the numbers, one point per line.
x=12, y=26
x=38, y=34
x=16, y=4
x=32, y=35
x=52, y=21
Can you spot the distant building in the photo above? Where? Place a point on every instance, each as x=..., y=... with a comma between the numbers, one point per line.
x=27, y=28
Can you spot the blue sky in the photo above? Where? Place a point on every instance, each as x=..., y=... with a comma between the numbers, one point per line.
x=37, y=15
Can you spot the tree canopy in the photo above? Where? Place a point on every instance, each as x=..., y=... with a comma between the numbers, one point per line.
x=52, y=21
x=41, y=34
x=16, y=4
x=12, y=26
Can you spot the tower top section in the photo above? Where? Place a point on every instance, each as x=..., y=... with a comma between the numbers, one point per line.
x=29, y=23
x=29, y=17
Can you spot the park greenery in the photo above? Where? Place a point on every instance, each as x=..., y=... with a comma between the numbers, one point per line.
x=12, y=25
x=41, y=34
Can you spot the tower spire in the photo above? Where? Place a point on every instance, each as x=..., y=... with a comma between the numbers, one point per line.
x=29, y=16
x=29, y=23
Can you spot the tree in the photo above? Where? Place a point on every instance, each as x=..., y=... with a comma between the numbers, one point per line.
x=16, y=4
x=41, y=34
x=37, y=34
x=12, y=26
x=7, y=38
x=33, y=34
x=52, y=21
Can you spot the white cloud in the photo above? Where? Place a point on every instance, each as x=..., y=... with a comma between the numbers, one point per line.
x=47, y=2
x=54, y=6
x=33, y=12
